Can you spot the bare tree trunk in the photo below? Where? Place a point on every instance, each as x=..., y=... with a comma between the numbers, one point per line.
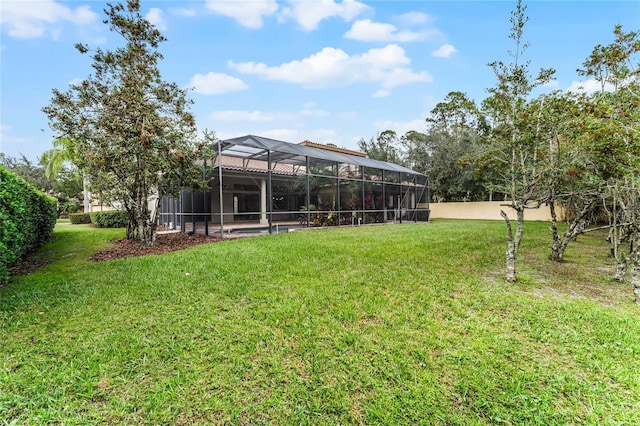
x=511, y=250
x=555, y=245
x=519, y=227
x=635, y=280
x=621, y=270
x=147, y=226
x=575, y=228
x=131, y=223
x=634, y=258
x=86, y=195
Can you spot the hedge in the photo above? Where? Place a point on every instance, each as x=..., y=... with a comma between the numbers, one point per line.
x=27, y=218
x=79, y=218
x=110, y=219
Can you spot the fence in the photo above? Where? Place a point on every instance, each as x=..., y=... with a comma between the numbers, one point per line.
x=489, y=210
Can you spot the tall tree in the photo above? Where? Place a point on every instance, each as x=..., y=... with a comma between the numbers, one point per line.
x=416, y=150
x=513, y=155
x=615, y=126
x=132, y=130
x=384, y=147
x=455, y=126
x=571, y=178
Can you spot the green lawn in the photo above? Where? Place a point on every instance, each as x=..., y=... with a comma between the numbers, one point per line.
x=406, y=324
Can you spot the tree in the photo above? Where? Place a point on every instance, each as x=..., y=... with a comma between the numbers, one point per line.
x=58, y=167
x=615, y=125
x=384, y=147
x=513, y=154
x=571, y=176
x=416, y=150
x=455, y=127
x=28, y=170
x=133, y=133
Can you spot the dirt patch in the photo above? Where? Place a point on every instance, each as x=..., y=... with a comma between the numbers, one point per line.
x=165, y=243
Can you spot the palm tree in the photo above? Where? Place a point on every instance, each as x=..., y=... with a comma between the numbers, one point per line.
x=55, y=160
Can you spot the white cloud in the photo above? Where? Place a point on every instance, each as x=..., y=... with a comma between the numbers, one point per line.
x=247, y=13
x=308, y=14
x=413, y=18
x=444, y=51
x=32, y=20
x=6, y=138
x=322, y=136
x=551, y=84
x=589, y=86
x=183, y=11
x=252, y=116
x=155, y=16
x=367, y=30
x=333, y=67
x=319, y=135
x=262, y=116
x=216, y=84
x=287, y=135
x=311, y=112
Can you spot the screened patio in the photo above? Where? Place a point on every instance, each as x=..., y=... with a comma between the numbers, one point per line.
x=261, y=184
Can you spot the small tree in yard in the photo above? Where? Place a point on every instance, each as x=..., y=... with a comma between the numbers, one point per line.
x=573, y=178
x=615, y=126
x=515, y=147
x=132, y=132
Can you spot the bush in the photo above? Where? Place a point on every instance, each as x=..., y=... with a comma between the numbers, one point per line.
x=67, y=206
x=110, y=219
x=27, y=218
x=79, y=218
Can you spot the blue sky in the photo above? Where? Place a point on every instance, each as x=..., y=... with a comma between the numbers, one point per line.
x=330, y=71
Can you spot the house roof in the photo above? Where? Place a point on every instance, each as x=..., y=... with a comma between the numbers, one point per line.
x=332, y=148
x=258, y=148
x=258, y=166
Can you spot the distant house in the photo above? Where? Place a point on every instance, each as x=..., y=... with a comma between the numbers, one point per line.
x=261, y=182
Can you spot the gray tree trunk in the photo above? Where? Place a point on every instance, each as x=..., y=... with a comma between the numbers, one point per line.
x=635, y=280
x=511, y=250
x=575, y=228
x=634, y=258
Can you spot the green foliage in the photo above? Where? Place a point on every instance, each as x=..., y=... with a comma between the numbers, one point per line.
x=79, y=218
x=352, y=326
x=28, y=170
x=67, y=206
x=127, y=129
x=27, y=218
x=456, y=126
x=110, y=219
x=384, y=147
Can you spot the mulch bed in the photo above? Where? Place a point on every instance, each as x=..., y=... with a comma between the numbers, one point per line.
x=165, y=243
x=121, y=248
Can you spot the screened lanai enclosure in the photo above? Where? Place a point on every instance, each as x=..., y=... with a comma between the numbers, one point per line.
x=258, y=184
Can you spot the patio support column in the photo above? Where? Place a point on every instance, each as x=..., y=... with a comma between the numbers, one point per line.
x=270, y=192
x=263, y=202
x=307, y=199
x=220, y=189
x=362, y=213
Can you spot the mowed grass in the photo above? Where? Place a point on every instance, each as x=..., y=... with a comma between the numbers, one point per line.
x=406, y=324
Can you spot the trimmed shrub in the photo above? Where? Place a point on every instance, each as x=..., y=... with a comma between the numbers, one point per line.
x=79, y=218
x=27, y=218
x=110, y=219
